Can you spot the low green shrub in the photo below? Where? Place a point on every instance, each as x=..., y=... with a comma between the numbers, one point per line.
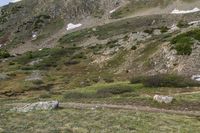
x=165, y=80
x=77, y=95
x=71, y=62
x=103, y=92
x=183, y=43
x=137, y=79
x=4, y=54
x=164, y=29
x=37, y=82
x=182, y=24
x=108, y=79
x=114, y=90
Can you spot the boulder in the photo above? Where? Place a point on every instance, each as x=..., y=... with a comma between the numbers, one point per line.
x=3, y=76
x=49, y=105
x=163, y=99
x=157, y=32
x=35, y=76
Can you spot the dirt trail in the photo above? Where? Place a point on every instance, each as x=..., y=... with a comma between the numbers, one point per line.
x=73, y=105
x=128, y=107
x=187, y=93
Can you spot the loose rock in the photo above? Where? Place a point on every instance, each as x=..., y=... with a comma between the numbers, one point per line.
x=3, y=76
x=163, y=99
x=36, y=75
x=50, y=105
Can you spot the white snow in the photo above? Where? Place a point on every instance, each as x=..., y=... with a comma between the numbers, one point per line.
x=14, y=1
x=196, y=77
x=112, y=11
x=194, y=22
x=176, y=11
x=72, y=26
x=34, y=36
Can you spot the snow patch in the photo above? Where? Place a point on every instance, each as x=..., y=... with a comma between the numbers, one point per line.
x=196, y=77
x=14, y=1
x=176, y=11
x=34, y=35
x=72, y=26
x=194, y=22
x=112, y=11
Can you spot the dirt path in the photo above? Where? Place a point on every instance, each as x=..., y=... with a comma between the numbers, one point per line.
x=128, y=107
x=73, y=105
x=187, y=93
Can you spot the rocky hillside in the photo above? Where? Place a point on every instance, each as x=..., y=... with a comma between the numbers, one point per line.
x=66, y=63
x=36, y=44
x=19, y=21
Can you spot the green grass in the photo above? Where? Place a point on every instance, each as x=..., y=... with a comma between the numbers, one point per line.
x=98, y=121
x=189, y=97
x=102, y=90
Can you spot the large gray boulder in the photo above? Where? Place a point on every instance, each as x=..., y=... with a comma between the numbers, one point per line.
x=163, y=99
x=48, y=105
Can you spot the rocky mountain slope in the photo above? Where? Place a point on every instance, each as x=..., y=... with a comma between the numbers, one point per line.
x=117, y=48
x=102, y=48
x=115, y=58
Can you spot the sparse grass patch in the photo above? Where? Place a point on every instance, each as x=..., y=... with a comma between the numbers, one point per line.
x=101, y=90
x=87, y=120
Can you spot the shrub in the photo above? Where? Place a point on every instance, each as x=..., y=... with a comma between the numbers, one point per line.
x=99, y=93
x=149, y=31
x=182, y=24
x=108, y=79
x=166, y=80
x=37, y=82
x=137, y=80
x=182, y=44
x=4, y=54
x=133, y=47
x=114, y=90
x=77, y=95
x=164, y=29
